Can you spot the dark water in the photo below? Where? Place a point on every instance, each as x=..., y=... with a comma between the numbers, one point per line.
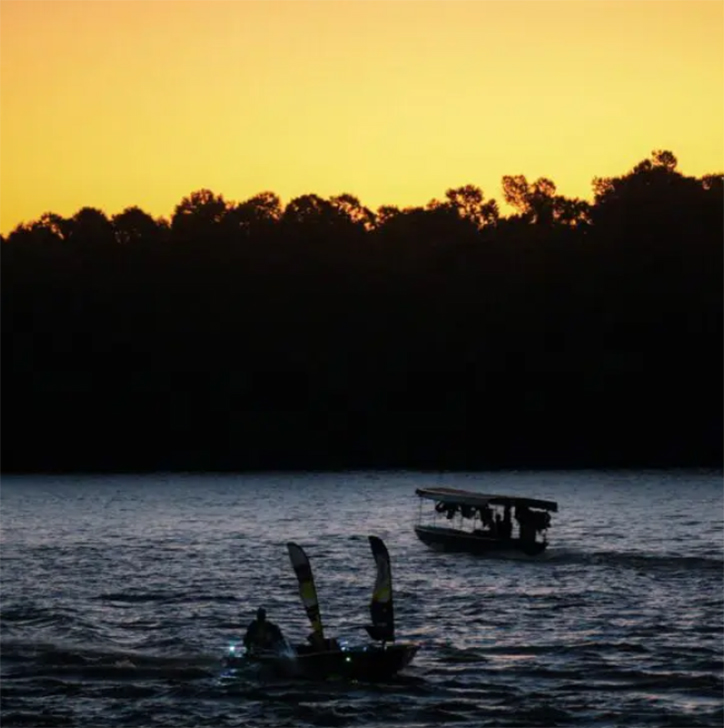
x=120, y=594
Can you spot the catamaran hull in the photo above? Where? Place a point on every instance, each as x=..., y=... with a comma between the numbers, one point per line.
x=324, y=658
x=369, y=663
x=449, y=539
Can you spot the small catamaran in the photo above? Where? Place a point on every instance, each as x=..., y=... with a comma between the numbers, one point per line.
x=323, y=658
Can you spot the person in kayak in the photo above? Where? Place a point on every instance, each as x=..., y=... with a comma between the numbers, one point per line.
x=262, y=635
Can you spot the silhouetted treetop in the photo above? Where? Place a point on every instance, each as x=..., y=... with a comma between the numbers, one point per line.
x=385, y=213
x=713, y=183
x=310, y=208
x=198, y=213
x=56, y=225
x=469, y=202
x=90, y=228
x=350, y=207
x=650, y=176
x=203, y=213
x=538, y=203
x=654, y=197
x=133, y=226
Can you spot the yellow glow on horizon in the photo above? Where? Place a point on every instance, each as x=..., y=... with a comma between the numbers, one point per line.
x=119, y=103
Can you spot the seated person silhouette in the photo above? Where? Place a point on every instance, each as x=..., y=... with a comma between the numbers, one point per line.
x=262, y=635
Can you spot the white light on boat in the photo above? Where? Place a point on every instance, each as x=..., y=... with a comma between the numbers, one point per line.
x=349, y=659
x=232, y=649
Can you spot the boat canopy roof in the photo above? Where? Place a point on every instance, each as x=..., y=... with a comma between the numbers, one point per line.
x=469, y=498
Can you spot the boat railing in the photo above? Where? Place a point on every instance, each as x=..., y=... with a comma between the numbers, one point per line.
x=491, y=520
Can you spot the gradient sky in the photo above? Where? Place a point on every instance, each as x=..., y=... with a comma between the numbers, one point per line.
x=112, y=103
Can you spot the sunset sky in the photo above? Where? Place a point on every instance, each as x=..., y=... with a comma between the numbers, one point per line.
x=112, y=103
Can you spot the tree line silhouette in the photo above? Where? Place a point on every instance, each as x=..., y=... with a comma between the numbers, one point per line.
x=322, y=334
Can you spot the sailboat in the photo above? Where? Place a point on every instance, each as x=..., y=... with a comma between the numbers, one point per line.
x=321, y=657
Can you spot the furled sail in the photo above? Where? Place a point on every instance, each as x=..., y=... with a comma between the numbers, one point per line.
x=307, y=590
x=381, y=610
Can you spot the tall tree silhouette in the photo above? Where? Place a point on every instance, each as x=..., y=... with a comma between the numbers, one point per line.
x=350, y=207
x=56, y=224
x=133, y=226
x=255, y=216
x=91, y=231
x=469, y=203
x=198, y=215
x=310, y=210
x=538, y=203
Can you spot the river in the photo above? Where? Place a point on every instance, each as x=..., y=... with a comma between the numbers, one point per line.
x=121, y=593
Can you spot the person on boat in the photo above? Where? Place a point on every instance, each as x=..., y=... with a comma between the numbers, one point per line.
x=486, y=517
x=262, y=634
x=526, y=522
x=507, y=523
x=498, y=529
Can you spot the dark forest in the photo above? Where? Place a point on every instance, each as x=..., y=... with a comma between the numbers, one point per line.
x=325, y=335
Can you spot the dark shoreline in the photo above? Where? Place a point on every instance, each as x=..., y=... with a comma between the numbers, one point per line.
x=372, y=469
x=323, y=336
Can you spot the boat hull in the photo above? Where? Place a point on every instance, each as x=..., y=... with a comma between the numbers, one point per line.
x=368, y=663
x=450, y=539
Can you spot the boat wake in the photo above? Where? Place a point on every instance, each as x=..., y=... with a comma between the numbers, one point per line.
x=27, y=659
x=634, y=560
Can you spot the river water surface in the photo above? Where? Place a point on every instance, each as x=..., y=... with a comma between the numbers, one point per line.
x=121, y=593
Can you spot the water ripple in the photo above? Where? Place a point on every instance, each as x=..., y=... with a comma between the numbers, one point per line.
x=120, y=593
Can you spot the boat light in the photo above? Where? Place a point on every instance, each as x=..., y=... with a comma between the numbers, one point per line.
x=349, y=659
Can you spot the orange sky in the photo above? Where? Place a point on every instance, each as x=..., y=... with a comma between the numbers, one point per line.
x=112, y=103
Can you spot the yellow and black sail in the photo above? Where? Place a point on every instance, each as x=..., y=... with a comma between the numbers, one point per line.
x=307, y=589
x=381, y=607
